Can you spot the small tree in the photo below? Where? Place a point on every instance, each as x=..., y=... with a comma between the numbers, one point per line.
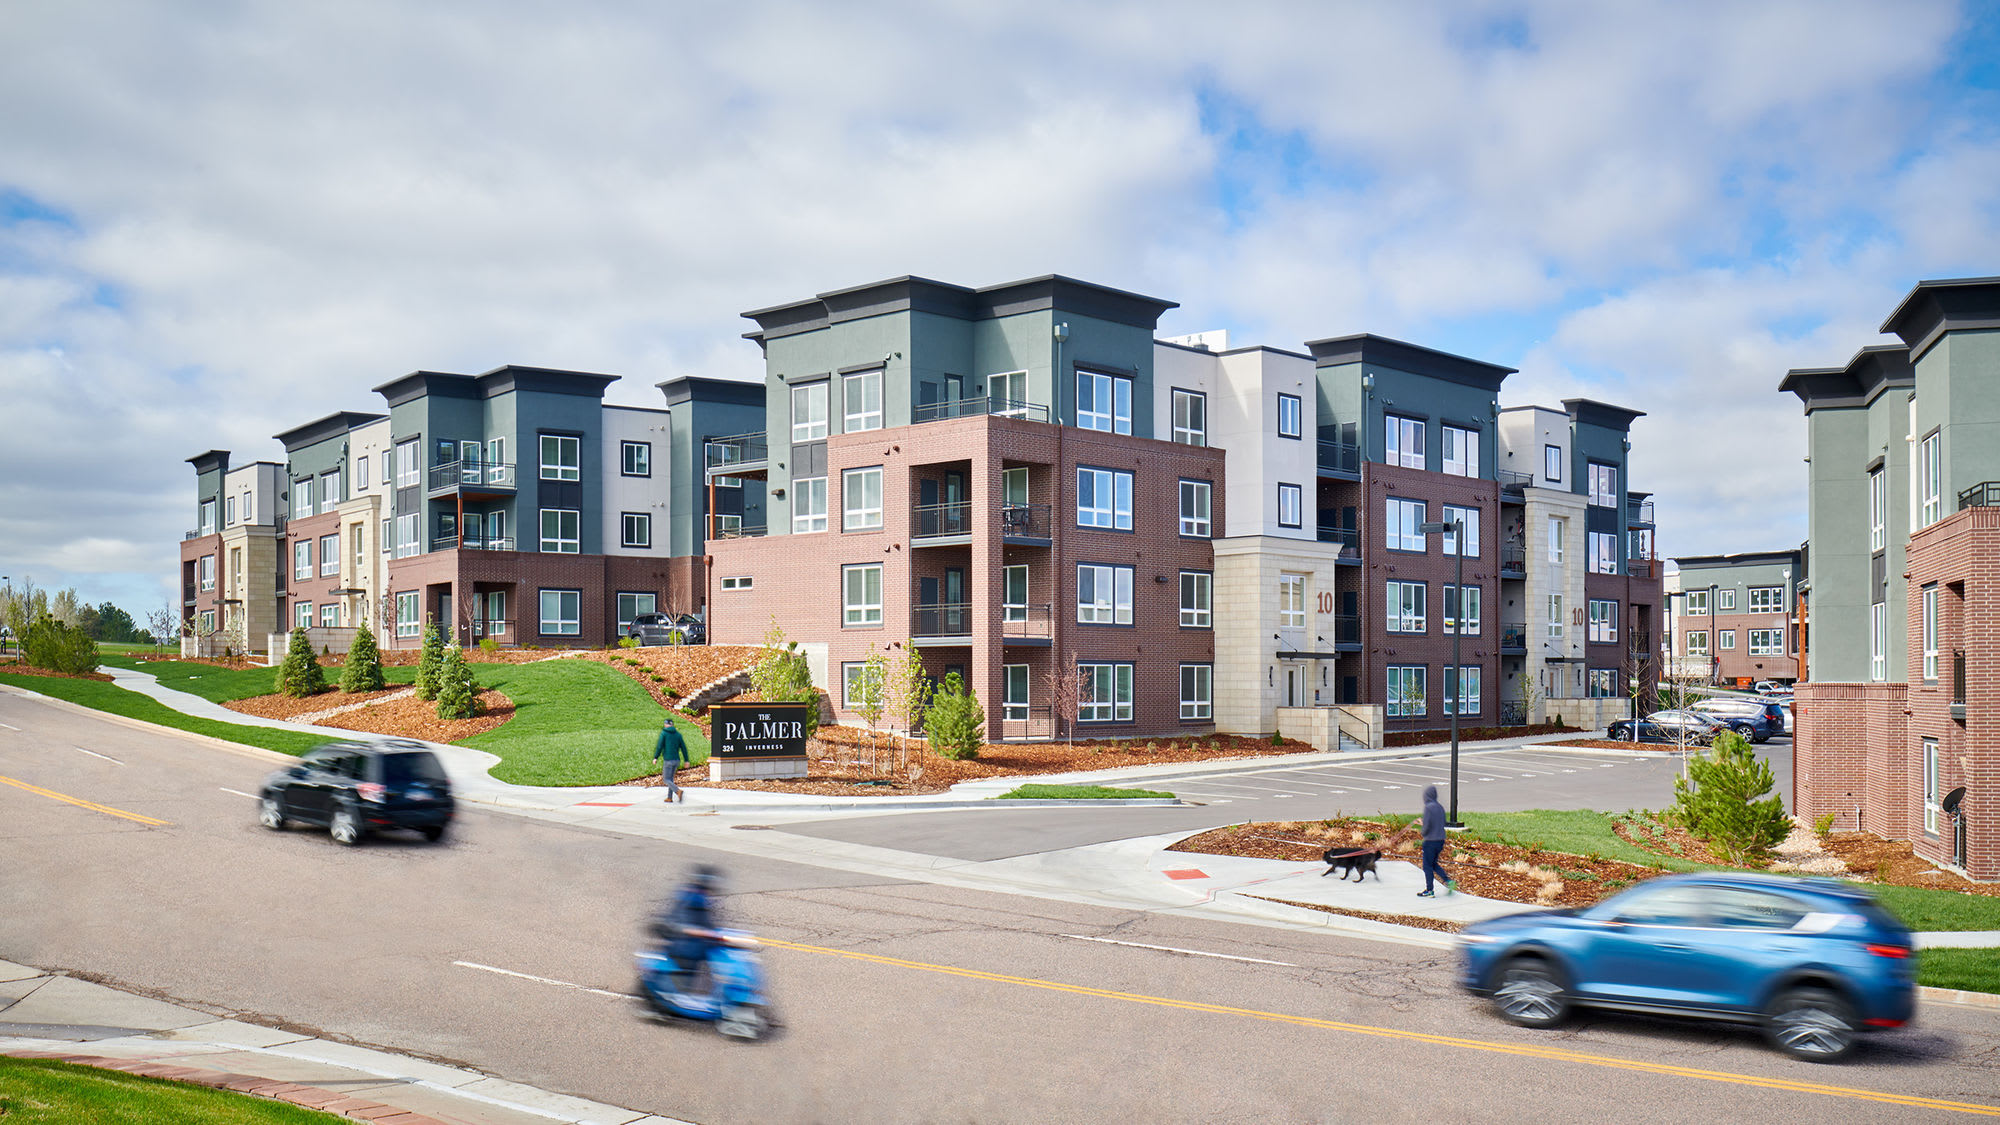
x=1065, y=688
x=909, y=693
x=956, y=722
x=782, y=675
x=430, y=662
x=299, y=674
x=161, y=623
x=364, y=662
x=1528, y=693
x=50, y=644
x=1723, y=801
x=871, y=698
x=458, y=695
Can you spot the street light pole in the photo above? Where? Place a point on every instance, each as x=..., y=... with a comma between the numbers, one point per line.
x=1457, y=529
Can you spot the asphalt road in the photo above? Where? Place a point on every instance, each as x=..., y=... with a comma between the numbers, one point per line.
x=901, y=1001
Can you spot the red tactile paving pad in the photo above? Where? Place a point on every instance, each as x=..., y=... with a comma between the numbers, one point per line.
x=1185, y=873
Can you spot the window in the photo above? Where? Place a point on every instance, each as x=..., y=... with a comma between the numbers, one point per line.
x=1767, y=599
x=1197, y=689
x=1103, y=595
x=1743, y=908
x=809, y=505
x=635, y=458
x=1291, y=504
x=208, y=517
x=1555, y=615
x=388, y=537
x=1014, y=693
x=739, y=582
x=1190, y=417
x=1470, y=518
x=1400, y=521
x=329, y=491
x=857, y=683
x=1197, y=587
x=1103, y=402
x=1603, y=556
x=1725, y=640
x=809, y=412
x=1552, y=464
x=329, y=554
x=208, y=620
x=1697, y=642
x=1194, y=508
x=561, y=457
x=302, y=559
x=1292, y=601
x=206, y=570
x=637, y=529
x=1468, y=624
x=236, y=570
x=1461, y=451
x=562, y=613
x=409, y=464
x=630, y=606
x=1603, y=485
x=1603, y=683
x=1007, y=396
x=1725, y=600
x=1931, y=786
x=1403, y=442
x=1104, y=693
x=1878, y=510
x=361, y=473
x=861, y=594
x=408, y=624
x=1930, y=634
x=1014, y=487
x=302, y=615
x=1405, y=602
x=728, y=526
x=406, y=536
x=1555, y=539
x=360, y=550
x=561, y=531
x=1406, y=690
x=1878, y=639
x=1697, y=603
x=302, y=500
x=1462, y=689
x=1603, y=621
x=861, y=401
x=1288, y=416
x=861, y=499
x=1771, y=642
x=248, y=511
x=329, y=615
x=1104, y=499
x=1930, y=480
x=228, y=511
x=1014, y=593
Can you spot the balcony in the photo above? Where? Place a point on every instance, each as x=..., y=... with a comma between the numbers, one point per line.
x=977, y=405
x=1350, y=543
x=1031, y=524
x=473, y=542
x=1514, y=482
x=1642, y=568
x=1027, y=624
x=742, y=453
x=943, y=521
x=1983, y=495
x=1021, y=723
x=499, y=630
x=1340, y=459
x=1347, y=632
x=491, y=478
x=1513, y=640
x=187, y=595
x=1639, y=514
x=736, y=530
x=942, y=623
x=1513, y=560
x=1639, y=642
x=1958, y=684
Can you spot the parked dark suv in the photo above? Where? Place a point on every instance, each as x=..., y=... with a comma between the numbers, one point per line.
x=667, y=629
x=354, y=788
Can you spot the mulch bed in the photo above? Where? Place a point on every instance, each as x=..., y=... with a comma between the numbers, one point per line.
x=671, y=672
x=16, y=668
x=414, y=718
x=285, y=707
x=1896, y=862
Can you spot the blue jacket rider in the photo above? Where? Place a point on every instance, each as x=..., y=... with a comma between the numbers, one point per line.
x=689, y=924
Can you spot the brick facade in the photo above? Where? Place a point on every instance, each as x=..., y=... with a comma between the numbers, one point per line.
x=521, y=576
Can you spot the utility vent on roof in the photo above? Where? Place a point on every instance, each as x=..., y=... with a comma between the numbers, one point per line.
x=1214, y=341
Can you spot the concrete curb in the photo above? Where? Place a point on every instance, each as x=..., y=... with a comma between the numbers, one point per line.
x=867, y=803
x=257, y=752
x=1958, y=996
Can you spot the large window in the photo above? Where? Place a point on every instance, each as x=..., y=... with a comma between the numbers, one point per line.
x=228, y=512
x=1014, y=593
x=1292, y=601
x=1767, y=599
x=1197, y=691
x=561, y=457
x=1288, y=416
x=861, y=401
x=1931, y=480
x=1103, y=595
x=1696, y=603
x=329, y=491
x=1556, y=526
x=1461, y=451
x=1603, y=621
x=1400, y=519
x=1103, y=402
x=329, y=615
x=630, y=606
x=1195, y=495
x=1104, y=499
x=809, y=504
x=1878, y=641
x=1725, y=640
x=1930, y=634
x=635, y=458
x=1466, y=623
x=1014, y=679
x=861, y=499
x=1931, y=786
x=562, y=613
x=1552, y=464
x=1291, y=505
x=636, y=528
x=406, y=536
x=1403, y=442
x=1555, y=615
x=302, y=614
x=208, y=517
x=409, y=622
x=409, y=464
x=562, y=531
x=861, y=594
x=302, y=560
x=1878, y=510
x=1697, y=642
x=1405, y=601
x=809, y=411
x=856, y=682
x=1603, y=485
x=1197, y=590
x=1461, y=689
x=329, y=555
x=1104, y=693
x=1470, y=518
x=302, y=500
x=1190, y=417
x=1771, y=642
x=206, y=571
x=361, y=473
x=1406, y=690
x=1603, y=555
x=1603, y=683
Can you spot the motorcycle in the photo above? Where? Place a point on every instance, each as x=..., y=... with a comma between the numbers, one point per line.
x=733, y=999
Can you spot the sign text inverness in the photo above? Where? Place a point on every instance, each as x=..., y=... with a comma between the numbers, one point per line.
x=760, y=730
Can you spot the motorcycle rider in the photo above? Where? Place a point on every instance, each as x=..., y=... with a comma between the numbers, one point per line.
x=688, y=925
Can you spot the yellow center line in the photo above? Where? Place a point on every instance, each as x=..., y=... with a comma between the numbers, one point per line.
x=1555, y=1054
x=79, y=802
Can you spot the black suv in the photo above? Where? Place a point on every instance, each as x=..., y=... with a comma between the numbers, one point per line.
x=667, y=629
x=354, y=788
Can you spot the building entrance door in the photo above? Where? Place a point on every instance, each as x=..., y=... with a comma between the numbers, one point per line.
x=1295, y=686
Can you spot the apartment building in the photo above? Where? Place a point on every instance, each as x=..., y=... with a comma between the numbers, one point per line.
x=977, y=474
x=230, y=560
x=1904, y=514
x=1736, y=618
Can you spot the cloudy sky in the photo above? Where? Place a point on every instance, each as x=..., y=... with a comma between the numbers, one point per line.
x=220, y=219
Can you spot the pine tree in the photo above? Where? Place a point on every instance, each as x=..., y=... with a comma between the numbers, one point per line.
x=1719, y=801
x=457, y=694
x=430, y=662
x=956, y=722
x=364, y=663
x=299, y=674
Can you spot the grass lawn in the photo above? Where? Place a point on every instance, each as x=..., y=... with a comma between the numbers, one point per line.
x=1974, y=970
x=221, y=685
x=1077, y=793
x=576, y=722
x=101, y=696
x=42, y=1090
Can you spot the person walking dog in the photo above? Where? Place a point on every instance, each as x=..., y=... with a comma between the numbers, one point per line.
x=1434, y=845
x=672, y=752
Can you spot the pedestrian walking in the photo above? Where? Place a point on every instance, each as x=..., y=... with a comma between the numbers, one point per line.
x=1434, y=845
x=672, y=752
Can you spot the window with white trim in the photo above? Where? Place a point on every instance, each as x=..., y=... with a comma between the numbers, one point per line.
x=1405, y=602
x=562, y=457
x=1103, y=594
x=631, y=605
x=302, y=614
x=1014, y=593
x=1603, y=556
x=409, y=464
x=635, y=458
x=1461, y=451
x=302, y=560
x=329, y=615
x=1930, y=634
x=1195, y=497
x=409, y=608
x=1468, y=625
x=329, y=554
x=1291, y=505
x=1697, y=642
x=1878, y=510
x=1104, y=498
x=228, y=511
x=1289, y=412
x=1931, y=807
x=206, y=571
x=1603, y=683
x=1197, y=691
x=1767, y=642
x=562, y=613
x=1878, y=641
x=856, y=681
x=1403, y=442
x=1696, y=603
x=562, y=531
x=739, y=582
x=1104, y=693
x=636, y=529
x=809, y=505
x=861, y=499
x=1292, y=601
x=1725, y=640
x=1603, y=621
x=1400, y=520
x=1014, y=679
x=361, y=473
x=1197, y=590
x=1470, y=518
x=1556, y=525
x=1603, y=485
x=1462, y=689
x=861, y=401
x=1725, y=600
x=861, y=594
x=1103, y=402
x=1190, y=417
x=1767, y=599
x=407, y=543
x=302, y=498
x=329, y=490
x=1406, y=690
x=1932, y=479
x=208, y=517
x=1552, y=464
x=809, y=411
x=1555, y=615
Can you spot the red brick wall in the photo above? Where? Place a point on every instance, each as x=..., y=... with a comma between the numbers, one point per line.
x=523, y=575
x=314, y=589
x=1961, y=555
x=1850, y=755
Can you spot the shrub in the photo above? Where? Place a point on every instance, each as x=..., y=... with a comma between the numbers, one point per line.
x=1722, y=801
x=628, y=642
x=299, y=674
x=488, y=644
x=364, y=663
x=50, y=644
x=781, y=675
x=955, y=721
x=430, y=662
x=1823, y=825
x=457, y=694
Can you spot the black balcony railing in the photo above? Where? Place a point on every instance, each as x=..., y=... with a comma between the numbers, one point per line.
x=954, y=518
x=1641, y=512
x=1027, y=521
x=1512, y=481
x=493, y=627
x=944, y=619
x=1016, y=408
x=1958, y=677
x=1349, y=539
x=1035, y=622
x=1982, y=495
x=1021, y=723
x=1347, y=629
x=742, y=449
x=1514, y=638
x=1513, y=559
x=471, y=475
x=1339, y=457
x=1642, y=568
x=1640, y=641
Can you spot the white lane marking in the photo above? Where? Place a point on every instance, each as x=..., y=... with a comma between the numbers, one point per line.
x=539, y=980
x=95, y=754
x=238, y=792
x=9, y=728
x=1188, y=952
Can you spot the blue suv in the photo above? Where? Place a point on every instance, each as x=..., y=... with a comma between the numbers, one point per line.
x=1815, y=962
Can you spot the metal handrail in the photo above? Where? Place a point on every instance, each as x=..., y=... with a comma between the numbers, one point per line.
x=458, y=474
x=1017, y=408
x=1339, y=456
x=1512, y=480
x=1986, y=494
x=741, y=531
x=1958, y=676
x=954, y=518
x=1513, y=556
x=1641, y=512
x=1039, y=722
x=1349, y=539
x=1031, y=521
x=941, y=619
x=1019, y=620
x=1347, y=629
x=1514, y=636
x=737, y=449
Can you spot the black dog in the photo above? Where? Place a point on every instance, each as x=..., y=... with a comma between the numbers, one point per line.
x=1357, y=862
